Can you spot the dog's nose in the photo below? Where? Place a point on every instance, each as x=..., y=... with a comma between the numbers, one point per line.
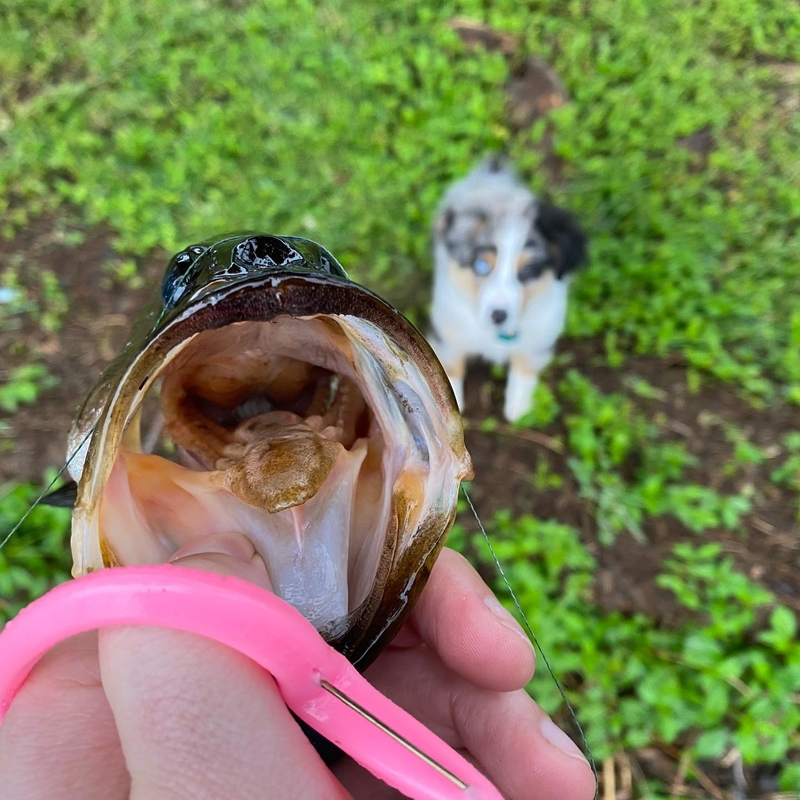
x=499, y=316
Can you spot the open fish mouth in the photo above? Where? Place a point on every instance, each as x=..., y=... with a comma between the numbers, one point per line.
x=267, y=394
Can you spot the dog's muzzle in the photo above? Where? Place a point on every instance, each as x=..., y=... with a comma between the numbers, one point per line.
x=499, y=318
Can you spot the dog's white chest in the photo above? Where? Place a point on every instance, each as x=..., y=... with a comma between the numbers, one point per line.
x=458, y=321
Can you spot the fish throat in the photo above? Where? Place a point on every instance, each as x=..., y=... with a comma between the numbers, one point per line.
x=284, y=450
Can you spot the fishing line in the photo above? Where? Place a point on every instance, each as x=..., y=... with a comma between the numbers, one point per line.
x=535, y=640
x=47, y=488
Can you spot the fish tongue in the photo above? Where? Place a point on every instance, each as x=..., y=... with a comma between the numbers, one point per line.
x=297, y=486
x=282, y=471
x=306, y=547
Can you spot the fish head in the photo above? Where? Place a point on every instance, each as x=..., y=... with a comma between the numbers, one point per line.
x=266, y=393
x=202, y=268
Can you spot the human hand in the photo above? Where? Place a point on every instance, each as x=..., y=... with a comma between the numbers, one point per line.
x=154, y=713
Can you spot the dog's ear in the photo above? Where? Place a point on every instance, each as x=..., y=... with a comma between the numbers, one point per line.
x=561, y=230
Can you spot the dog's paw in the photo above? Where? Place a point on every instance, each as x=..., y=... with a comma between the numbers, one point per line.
x=519, y=395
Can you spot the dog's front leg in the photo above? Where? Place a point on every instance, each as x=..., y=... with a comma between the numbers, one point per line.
x=454, y=363
x=455, y=371
x=523, y=375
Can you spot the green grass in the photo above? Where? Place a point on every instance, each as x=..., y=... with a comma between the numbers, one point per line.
x=344, y=122
x=37, y=556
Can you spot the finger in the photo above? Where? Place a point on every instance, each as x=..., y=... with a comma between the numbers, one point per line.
x=225, y=554
x=58, y=739
x=458, y=616
x=199, y=720
x=361, y=784
x=518, y=747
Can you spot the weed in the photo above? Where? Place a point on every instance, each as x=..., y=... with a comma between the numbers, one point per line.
x=24, y=385
x=545, y=409
x=625, y=467
x=37, y=556
x=745, y=453
x=788, y=473
x=544, y=478
x=40, y=295
x=53, y=302
x=727, y=679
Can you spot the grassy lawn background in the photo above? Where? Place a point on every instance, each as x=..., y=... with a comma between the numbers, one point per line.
x=157, y=124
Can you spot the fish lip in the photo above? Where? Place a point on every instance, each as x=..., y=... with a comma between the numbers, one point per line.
x=219, y=290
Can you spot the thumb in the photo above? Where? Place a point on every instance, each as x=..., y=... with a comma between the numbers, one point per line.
x=227, y=554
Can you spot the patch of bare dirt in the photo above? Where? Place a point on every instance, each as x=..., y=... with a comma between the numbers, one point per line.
x=701, y=144
x=476, y=34
x=788, y=88
x=100, y=313
x=533, y=89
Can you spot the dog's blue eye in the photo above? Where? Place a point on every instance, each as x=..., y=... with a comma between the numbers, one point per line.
x=481, y=267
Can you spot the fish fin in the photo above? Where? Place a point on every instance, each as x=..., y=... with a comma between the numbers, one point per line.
x=63, y=497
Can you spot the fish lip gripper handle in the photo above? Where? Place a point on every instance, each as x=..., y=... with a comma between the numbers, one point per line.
x=317, y=683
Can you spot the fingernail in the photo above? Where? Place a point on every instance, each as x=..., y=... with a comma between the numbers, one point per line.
x=235, y=545
x=505, y=617
x=560, y=740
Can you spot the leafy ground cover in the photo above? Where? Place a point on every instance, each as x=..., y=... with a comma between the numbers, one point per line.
x=648, y=512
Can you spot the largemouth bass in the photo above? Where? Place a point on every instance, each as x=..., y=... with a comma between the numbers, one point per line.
x=264, y=392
